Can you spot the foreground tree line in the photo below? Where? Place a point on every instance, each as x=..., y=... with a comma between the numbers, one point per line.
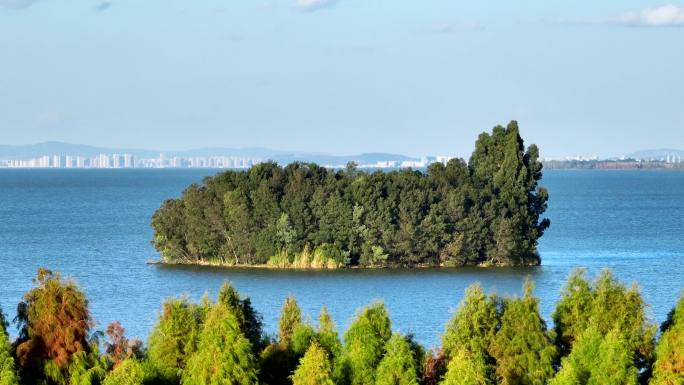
x=487, y=211
x=601, y=336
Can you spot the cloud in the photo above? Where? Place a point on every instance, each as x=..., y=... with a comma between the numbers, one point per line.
x=103, y=6
x=665, y=16
x=16, y=4
x=314, y=5
x=447, y=28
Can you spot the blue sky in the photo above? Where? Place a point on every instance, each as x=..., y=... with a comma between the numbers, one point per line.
x=347, y=76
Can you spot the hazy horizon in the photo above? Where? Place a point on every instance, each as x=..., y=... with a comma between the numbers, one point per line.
x=343, y=76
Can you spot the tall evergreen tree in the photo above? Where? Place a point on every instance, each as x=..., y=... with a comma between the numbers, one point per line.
x=605, y=304
x=290, y=318
x=224, y=355
x=54, y=323
x=598, y=360
x=174, y=338
x=363, y=346
x=327, y=334
x=398, y=365
x=473, y=326
x=668, y=368
x=467, y=368
x=248, y=319
x=522, y=347
x=314, y=368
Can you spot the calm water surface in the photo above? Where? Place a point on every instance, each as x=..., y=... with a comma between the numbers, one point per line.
x=93, y=225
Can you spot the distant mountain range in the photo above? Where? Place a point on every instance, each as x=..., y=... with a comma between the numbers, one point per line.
x=30, y=151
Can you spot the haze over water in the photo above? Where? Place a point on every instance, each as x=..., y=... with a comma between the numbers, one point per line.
x=93, y=225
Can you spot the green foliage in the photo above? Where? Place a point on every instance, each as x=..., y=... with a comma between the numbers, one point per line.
x=8, y=374
x=314, y=368
x=224, y=355
x=174, y=338
x=290, y=318
x=248, y=319
x=522, y=347
x=598, y=360
x=128, y=372
x=668, y=368
x=54, y=323
x=488, y=211
x=605, y=304
x=398, y=365
x=276, y=364
x=327, y=334
x=488, y=341
x=467, y=368
x=304, y=335
x=85, y=369
x=364, y=342
x=473, y=326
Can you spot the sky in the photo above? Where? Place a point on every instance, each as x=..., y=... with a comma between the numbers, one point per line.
x=582, y=77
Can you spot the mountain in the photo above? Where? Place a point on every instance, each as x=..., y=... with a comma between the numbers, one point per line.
x=656, y=154
x=29, y=151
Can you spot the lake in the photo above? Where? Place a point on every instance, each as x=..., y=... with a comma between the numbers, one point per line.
x=93, y=225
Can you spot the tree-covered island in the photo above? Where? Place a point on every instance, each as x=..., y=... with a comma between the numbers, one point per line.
x=487, y=211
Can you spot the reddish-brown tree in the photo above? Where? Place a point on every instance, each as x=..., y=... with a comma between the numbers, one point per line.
x=119, y=347
x=54, y=324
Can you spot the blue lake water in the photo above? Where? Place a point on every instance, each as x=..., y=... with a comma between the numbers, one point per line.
x=93, y=225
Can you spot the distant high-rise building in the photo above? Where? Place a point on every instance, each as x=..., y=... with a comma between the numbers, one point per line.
x=103, y=161
x=129, y=161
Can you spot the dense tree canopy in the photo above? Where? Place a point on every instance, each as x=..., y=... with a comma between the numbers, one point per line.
x=174, y=338
x=398, y=365
x=488, y=211
x=224, y=355
x=489, y=341
x=522, y=347
x=314, y=368
x=607, y=305
x=364, y=344
x=473, y=326
x=598, y=360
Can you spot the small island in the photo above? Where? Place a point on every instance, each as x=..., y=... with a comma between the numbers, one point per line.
x=486, y=212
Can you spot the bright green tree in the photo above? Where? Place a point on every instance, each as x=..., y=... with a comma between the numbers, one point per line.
x=248, y=318
x=598, y=360
x=474, y=324
x=314, y=368
x=668, y=368
x=363, y=346
x=605, y=304
x=128, y=372
x=466, y=368
x=522, y=347
x=290, y=317
x=327, y=334
x=85, y=369
x=174, y=337
x=8, y=374
x=398, y=365
x=224, y=355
